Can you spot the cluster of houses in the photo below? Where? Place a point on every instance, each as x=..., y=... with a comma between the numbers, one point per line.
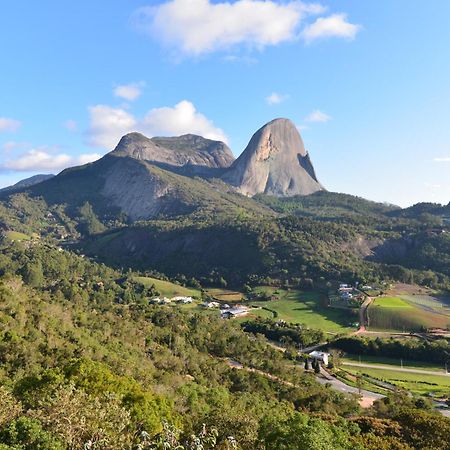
x=165, y=301
x=226, y=311
x=346, y=291
x=210, y=305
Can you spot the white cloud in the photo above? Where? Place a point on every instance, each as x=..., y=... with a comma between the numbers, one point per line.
x=86, y=158
x=109, y=124
x=275, y=98
x=335, y=25
x=196, y=27
x=183, y=118
x=129, y=92
x=44, y=159
x=71, y=125
x=442, y=159
x=317, y=116
x=240, y=59
x=7, y=124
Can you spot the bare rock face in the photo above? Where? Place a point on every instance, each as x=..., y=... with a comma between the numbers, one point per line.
x=192, y=153
x=274, y=162
x=132, y=187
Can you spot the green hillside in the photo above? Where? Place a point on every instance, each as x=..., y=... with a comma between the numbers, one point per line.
x=166, y=288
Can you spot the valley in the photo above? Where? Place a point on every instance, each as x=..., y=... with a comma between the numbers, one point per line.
x=146, y=282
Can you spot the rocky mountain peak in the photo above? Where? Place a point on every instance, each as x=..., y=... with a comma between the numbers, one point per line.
x=274, y=162
x=195, y=154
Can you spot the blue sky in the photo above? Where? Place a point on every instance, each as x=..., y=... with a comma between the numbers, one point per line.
x=367, y=83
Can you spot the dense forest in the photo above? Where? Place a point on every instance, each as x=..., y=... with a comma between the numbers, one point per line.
x=298, y=240
x=87, y=363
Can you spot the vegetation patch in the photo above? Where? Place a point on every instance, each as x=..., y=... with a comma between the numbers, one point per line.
x=307, y=308
x=167, y=288
x=17, y=236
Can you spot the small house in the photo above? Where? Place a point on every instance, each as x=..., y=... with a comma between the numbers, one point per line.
x=234, y=312
x=320, y=356
x=182, y=299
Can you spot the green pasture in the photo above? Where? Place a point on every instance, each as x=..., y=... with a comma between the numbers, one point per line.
x=307, y=308
x=168, y=289
x=16, y=236
x=392, y=362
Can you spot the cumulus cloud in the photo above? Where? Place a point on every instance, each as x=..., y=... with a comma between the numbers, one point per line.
x=129, y=92
x=183, y=118
x=109, y=124
x=442, y=159
x=275, y=98
x=44, y=159
x=318, y=116
x=195, y=27
x=335, y=25
x=7, y=124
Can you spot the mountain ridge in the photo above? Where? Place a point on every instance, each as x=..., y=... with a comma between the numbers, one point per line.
x=145, y=178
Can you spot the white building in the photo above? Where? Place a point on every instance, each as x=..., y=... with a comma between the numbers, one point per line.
x=320, y=356
x=182, y=299
x=210, y=305
x=234, y=312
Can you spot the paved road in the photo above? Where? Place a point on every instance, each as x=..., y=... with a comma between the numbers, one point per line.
x=397, y=369
x=363, y=316
x=367, y=399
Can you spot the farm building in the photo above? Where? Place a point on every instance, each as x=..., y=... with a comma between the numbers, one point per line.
x=234, y=312
x=210, y=304
x=182, y=299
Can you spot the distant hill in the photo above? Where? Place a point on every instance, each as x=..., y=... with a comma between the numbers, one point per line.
x=27, y=182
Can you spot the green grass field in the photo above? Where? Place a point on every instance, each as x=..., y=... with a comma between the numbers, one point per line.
x=306, y=308
x=438, y=385
x=16, y=236
x=168, y=289
x=391, y=302
x=395, y=313
x=392, y=362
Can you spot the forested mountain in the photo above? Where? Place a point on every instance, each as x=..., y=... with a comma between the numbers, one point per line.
x=158, y=204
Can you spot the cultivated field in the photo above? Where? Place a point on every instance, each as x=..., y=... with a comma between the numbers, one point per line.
x=418, y=383
x=403, y=314
x=225, y=295
x=393, y=363
x=306, y=308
